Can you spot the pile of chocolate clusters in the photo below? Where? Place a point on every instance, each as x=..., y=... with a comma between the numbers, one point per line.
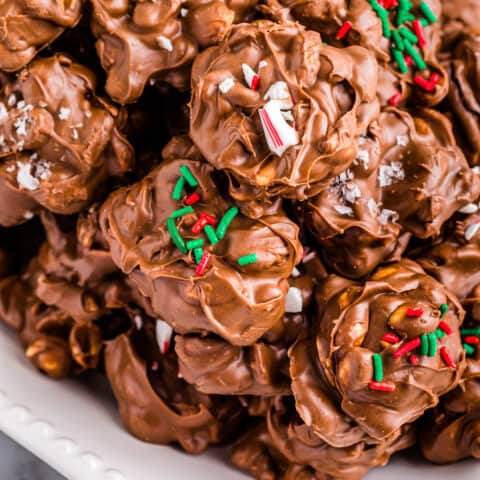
x=259, y=219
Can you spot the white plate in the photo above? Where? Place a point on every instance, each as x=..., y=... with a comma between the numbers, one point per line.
x=74, y=427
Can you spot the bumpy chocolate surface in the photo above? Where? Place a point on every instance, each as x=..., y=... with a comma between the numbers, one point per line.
x=332, y=95
x=139, y=41
x=409, y=177
x=239, y=303
x=217, y=367
x=59, y=142
x=464, y=95
x=283, y=447
x=352, y=319
x=459, y=18
x=159, y=407
x=28, y=26
x=328, y=16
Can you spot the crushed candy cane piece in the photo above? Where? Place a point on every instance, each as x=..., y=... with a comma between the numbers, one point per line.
x=470, y=208
x=251, y=78
x=226, y=85
x=293, y=300
x=279, y=91
x=295, y=272
x=163, y=332
x=471, y=231
x=279, y=134
x=344, y=210
x=165, y=43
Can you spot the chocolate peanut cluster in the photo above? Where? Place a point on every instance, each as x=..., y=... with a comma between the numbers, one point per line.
x=258, y=221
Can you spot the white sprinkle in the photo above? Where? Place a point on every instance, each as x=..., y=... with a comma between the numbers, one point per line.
x=12, y=100
x=262, y=64
x=470, y=208
x=226, y=85
x=293, y=300
x=20, y=125
x=165, y=43
x=362, y=139
x=388, y=216
x=75, y=134
x=364, y=158
x=3, y=111
x=42, y=169
x=24, y=177
x=279, y=91
x=476, y=170
x=389, y=174
x=28, y=215
x=344, y=188
x=471, y=231
x=295, y=272
x=138, y=321
x=309, y=257
x=344, y=210
x=183, y=12
x=163, y=332
x=88, y=113
x=64, y=113
x=10, y=169
x=21, y=104
x=402, y=141
x=42, y=104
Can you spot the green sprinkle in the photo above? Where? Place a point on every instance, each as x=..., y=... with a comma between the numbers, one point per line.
x=178, y=189
x=443, y=309
x=424, y=345
x=470, y=331
x=397, y=38
x=417, y=58
x=377, y=367
x=196, y=243
x=439, y=333
x=468, y=348
x=387, y=32
x=211, y=235
x=198, y=254
x=225, y=222
x=432, y=344
x=400, y=59
x=176, y=237
x=247, y=259
x=188, y=175
x=378, y=8
x=427, y=12
x=408, y=34
x=423, y=22
x=182, y=211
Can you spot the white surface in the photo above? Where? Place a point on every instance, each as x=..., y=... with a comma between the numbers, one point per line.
x=74, y=427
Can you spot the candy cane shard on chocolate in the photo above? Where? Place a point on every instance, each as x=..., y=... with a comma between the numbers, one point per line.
x=279, y=134
x=279, y=91
x=251, y=78
x=163, y=332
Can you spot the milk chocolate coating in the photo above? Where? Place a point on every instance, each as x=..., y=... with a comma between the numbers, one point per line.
x=335, y=367
x=215, y=366
x=459, y=17
x=333, y=92
x=409, y=178
x=464, y=95
x=28, y=26
x=239, y=303
x=283, y=447
x=59, y=142
x=139, y=41
x=328, y=16
x=159, y=407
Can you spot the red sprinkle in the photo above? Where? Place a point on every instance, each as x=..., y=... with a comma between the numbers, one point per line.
x=434, y=78
x=390, y=338
x=413, y=359
x=471, y=340
x=408, y=60
x=344, y=29
x=407, y=348
x=417, y=27
x=415, y=312
x=447, y=358
x=395, y=99
x=382, y=386
x=202, y=266
x=424, y=83
x=193, y=198
x=208, y=218
x=445, y=327
x=199, y=225
x=389, y=3
x=255, y=82
x=154, y=366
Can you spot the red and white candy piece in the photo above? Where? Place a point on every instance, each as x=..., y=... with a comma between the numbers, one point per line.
x=163, y=332
x=251, y=78
x=293, y=300
x=279, y=91
x=279, y=134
